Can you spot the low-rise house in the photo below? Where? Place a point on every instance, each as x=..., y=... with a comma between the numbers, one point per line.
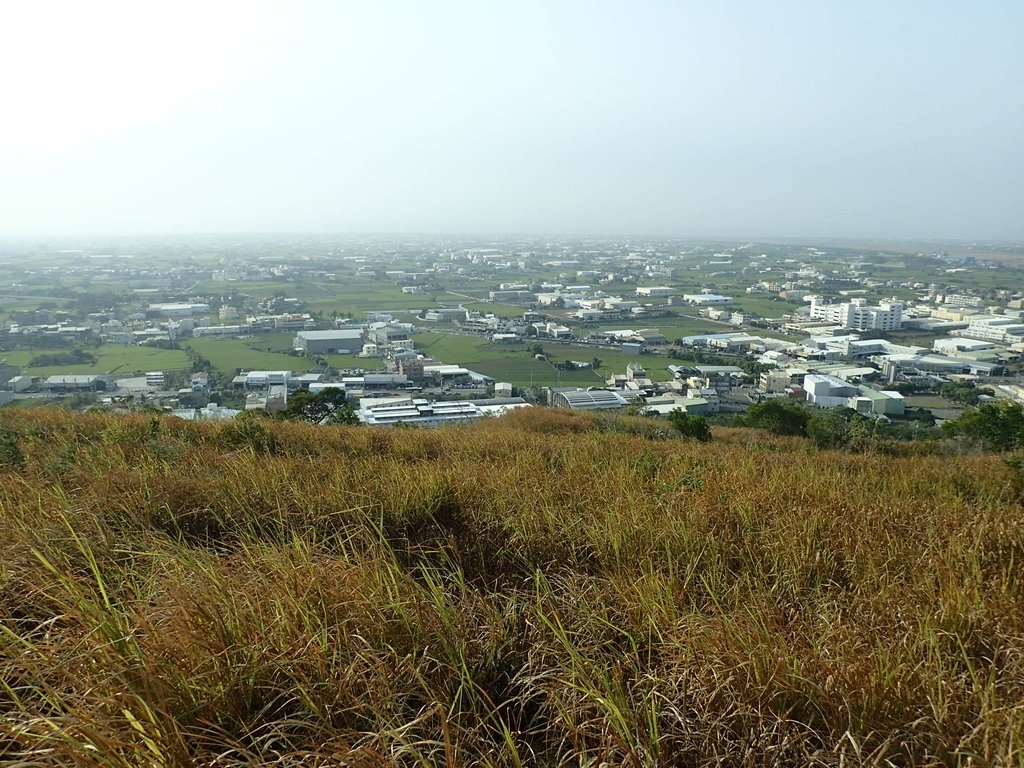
x=264, y=379
x=663, y=405
x=774, y=382
x=20, y=383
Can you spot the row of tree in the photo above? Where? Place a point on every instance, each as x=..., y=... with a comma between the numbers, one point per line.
x=996, y=426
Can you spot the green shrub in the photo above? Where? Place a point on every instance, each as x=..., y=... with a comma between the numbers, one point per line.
x=689, y=426
x=779, y=416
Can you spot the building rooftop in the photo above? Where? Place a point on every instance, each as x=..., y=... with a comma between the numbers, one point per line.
x=341, y=333
x=72, y=379
x=596, y=398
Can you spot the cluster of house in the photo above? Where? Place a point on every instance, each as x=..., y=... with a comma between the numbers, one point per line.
x=381, y=399
x=698, y=390
x=594, y=306
x=166, y=322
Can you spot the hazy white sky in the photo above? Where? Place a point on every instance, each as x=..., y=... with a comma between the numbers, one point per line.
x=867, y=118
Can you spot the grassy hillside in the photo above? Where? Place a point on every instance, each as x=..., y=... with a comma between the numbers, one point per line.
x=542, y=589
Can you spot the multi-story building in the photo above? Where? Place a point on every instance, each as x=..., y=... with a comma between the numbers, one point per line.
x=962, y=300
x=858, y=315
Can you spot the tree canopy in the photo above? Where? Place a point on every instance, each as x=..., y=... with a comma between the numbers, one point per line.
x=327, y=407
x=991, y=426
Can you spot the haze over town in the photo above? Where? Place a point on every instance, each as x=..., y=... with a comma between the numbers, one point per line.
x=865, y=119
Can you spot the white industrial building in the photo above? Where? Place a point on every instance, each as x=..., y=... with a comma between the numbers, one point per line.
x=210, y=412
x=953, y=345
x=73, y=383
x=654, y=291
x=706, y=299
x=830, y=392
x=263, y=379
x=424, y=413
x=997, y=328
x=177, y=309
x=940, y=364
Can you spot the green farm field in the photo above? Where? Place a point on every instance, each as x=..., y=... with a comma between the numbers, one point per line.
x=267, y=352
x=765, y=307
x=512, y=363
x=672, y=327
x=271, y=351
x=110, y=358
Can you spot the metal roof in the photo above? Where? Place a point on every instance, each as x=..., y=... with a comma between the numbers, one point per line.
x=343, y=333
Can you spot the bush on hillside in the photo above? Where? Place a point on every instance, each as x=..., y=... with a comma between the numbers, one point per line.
x=689, y=426
x=779, y=416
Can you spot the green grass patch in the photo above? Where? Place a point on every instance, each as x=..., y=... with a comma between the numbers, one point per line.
x=253, y=353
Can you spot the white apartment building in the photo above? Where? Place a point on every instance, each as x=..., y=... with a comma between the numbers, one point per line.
x=857, y=314
x=962, y=300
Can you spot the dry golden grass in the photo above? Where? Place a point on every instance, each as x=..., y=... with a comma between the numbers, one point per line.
x=542, y=589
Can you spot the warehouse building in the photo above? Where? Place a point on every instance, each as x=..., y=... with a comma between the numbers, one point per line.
x=587, y=399
x=343, y=341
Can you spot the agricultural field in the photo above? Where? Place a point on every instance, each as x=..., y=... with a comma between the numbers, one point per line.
x=18, y=303
x=121, y=359
x=268, y=593
x=672, y=327
x=940, y=407
x=514, y=364
x=765, y=307
x=269, y=352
